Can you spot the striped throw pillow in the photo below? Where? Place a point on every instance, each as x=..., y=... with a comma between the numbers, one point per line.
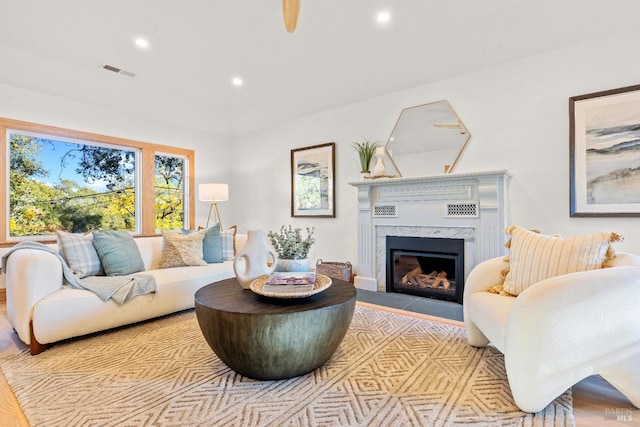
x=534, y=257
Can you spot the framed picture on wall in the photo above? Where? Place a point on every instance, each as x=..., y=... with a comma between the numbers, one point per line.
x=604, y=142
x=312, y=181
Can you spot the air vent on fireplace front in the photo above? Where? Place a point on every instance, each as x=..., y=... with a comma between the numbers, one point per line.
x=461, y=210
x=385, y=211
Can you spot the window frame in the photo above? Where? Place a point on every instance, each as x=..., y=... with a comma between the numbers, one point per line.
x=146, y=171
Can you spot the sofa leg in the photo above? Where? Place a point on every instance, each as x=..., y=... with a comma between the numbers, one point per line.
x=34, y=346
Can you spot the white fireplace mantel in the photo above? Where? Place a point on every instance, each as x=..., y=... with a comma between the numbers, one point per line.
x=472, y=206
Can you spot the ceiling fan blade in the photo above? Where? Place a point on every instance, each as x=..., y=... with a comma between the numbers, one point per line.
x=290, y=11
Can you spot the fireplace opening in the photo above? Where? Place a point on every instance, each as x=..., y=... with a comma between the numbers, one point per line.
x=426, y=266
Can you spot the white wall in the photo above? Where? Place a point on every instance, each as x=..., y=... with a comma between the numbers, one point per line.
x=517, y=114
x=212, y=152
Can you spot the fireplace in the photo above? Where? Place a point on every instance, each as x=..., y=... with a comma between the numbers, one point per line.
x=425, y=266
x=472, y=207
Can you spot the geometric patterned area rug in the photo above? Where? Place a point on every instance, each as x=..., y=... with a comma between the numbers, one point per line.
x=390, y=370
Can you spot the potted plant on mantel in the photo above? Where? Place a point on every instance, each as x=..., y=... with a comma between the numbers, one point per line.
x=366, y=150
x=292, y=249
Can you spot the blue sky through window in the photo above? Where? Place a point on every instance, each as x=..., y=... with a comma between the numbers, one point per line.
x=51, y=155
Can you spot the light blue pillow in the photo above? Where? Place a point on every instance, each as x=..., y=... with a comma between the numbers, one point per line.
x=118, y=252
x=212, y=245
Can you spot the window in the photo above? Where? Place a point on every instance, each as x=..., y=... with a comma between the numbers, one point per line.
x=169, y=191
x=58, y=178
x=59, y=183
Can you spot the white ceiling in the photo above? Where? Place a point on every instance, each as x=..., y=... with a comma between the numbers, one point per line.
x=338, y=54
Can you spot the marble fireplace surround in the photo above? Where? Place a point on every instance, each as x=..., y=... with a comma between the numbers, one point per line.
x=471, y=206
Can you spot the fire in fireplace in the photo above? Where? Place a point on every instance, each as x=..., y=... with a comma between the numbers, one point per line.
x=426, y=266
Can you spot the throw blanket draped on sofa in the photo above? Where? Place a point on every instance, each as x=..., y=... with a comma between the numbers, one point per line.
x=118, y=288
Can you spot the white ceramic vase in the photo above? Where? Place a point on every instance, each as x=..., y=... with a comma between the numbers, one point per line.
x=293, y=264
x=378, y=170
x=258, y=256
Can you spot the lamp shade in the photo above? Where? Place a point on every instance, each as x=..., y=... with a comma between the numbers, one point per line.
x=213, y=192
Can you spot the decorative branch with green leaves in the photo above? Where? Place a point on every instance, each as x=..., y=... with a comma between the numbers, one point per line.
x=289, y=244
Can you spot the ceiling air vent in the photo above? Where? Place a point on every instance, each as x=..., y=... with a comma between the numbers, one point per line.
x=461, y=210
x=385, y=211
x=118, y=70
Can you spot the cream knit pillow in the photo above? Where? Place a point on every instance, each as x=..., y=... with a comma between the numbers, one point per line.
x=179, y=249
x=534, y=257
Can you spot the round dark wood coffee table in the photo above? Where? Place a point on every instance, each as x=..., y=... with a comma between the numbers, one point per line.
x=270, y=338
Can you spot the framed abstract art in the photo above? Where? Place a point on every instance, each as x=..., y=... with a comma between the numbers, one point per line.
x=604, y=142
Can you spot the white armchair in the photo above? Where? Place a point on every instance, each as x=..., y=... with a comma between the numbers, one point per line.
x=560, y=330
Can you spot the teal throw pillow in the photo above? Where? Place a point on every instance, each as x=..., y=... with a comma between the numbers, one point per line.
x=118, y=252
x=212, y=245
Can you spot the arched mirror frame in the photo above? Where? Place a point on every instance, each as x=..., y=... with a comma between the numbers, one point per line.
x=435, y=120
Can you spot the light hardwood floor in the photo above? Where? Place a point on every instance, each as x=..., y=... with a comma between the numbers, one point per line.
x=595, y=401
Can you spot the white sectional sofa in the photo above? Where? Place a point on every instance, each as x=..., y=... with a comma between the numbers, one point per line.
x=43, y=311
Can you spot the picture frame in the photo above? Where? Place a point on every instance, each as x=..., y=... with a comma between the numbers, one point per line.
x=313, y=181
x=604, y=153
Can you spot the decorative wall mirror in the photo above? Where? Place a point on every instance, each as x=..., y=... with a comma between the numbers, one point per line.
x=427, y=140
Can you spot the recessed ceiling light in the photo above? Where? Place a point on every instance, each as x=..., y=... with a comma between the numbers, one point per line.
x=237, y=81
x=142, y=43
x=383, y=17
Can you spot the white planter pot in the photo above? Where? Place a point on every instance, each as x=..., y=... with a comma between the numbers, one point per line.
x=293, y=264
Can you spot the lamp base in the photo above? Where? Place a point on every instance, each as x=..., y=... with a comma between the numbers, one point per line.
x=216, y=215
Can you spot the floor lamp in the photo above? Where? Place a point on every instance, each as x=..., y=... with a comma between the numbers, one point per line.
x=213, y=193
